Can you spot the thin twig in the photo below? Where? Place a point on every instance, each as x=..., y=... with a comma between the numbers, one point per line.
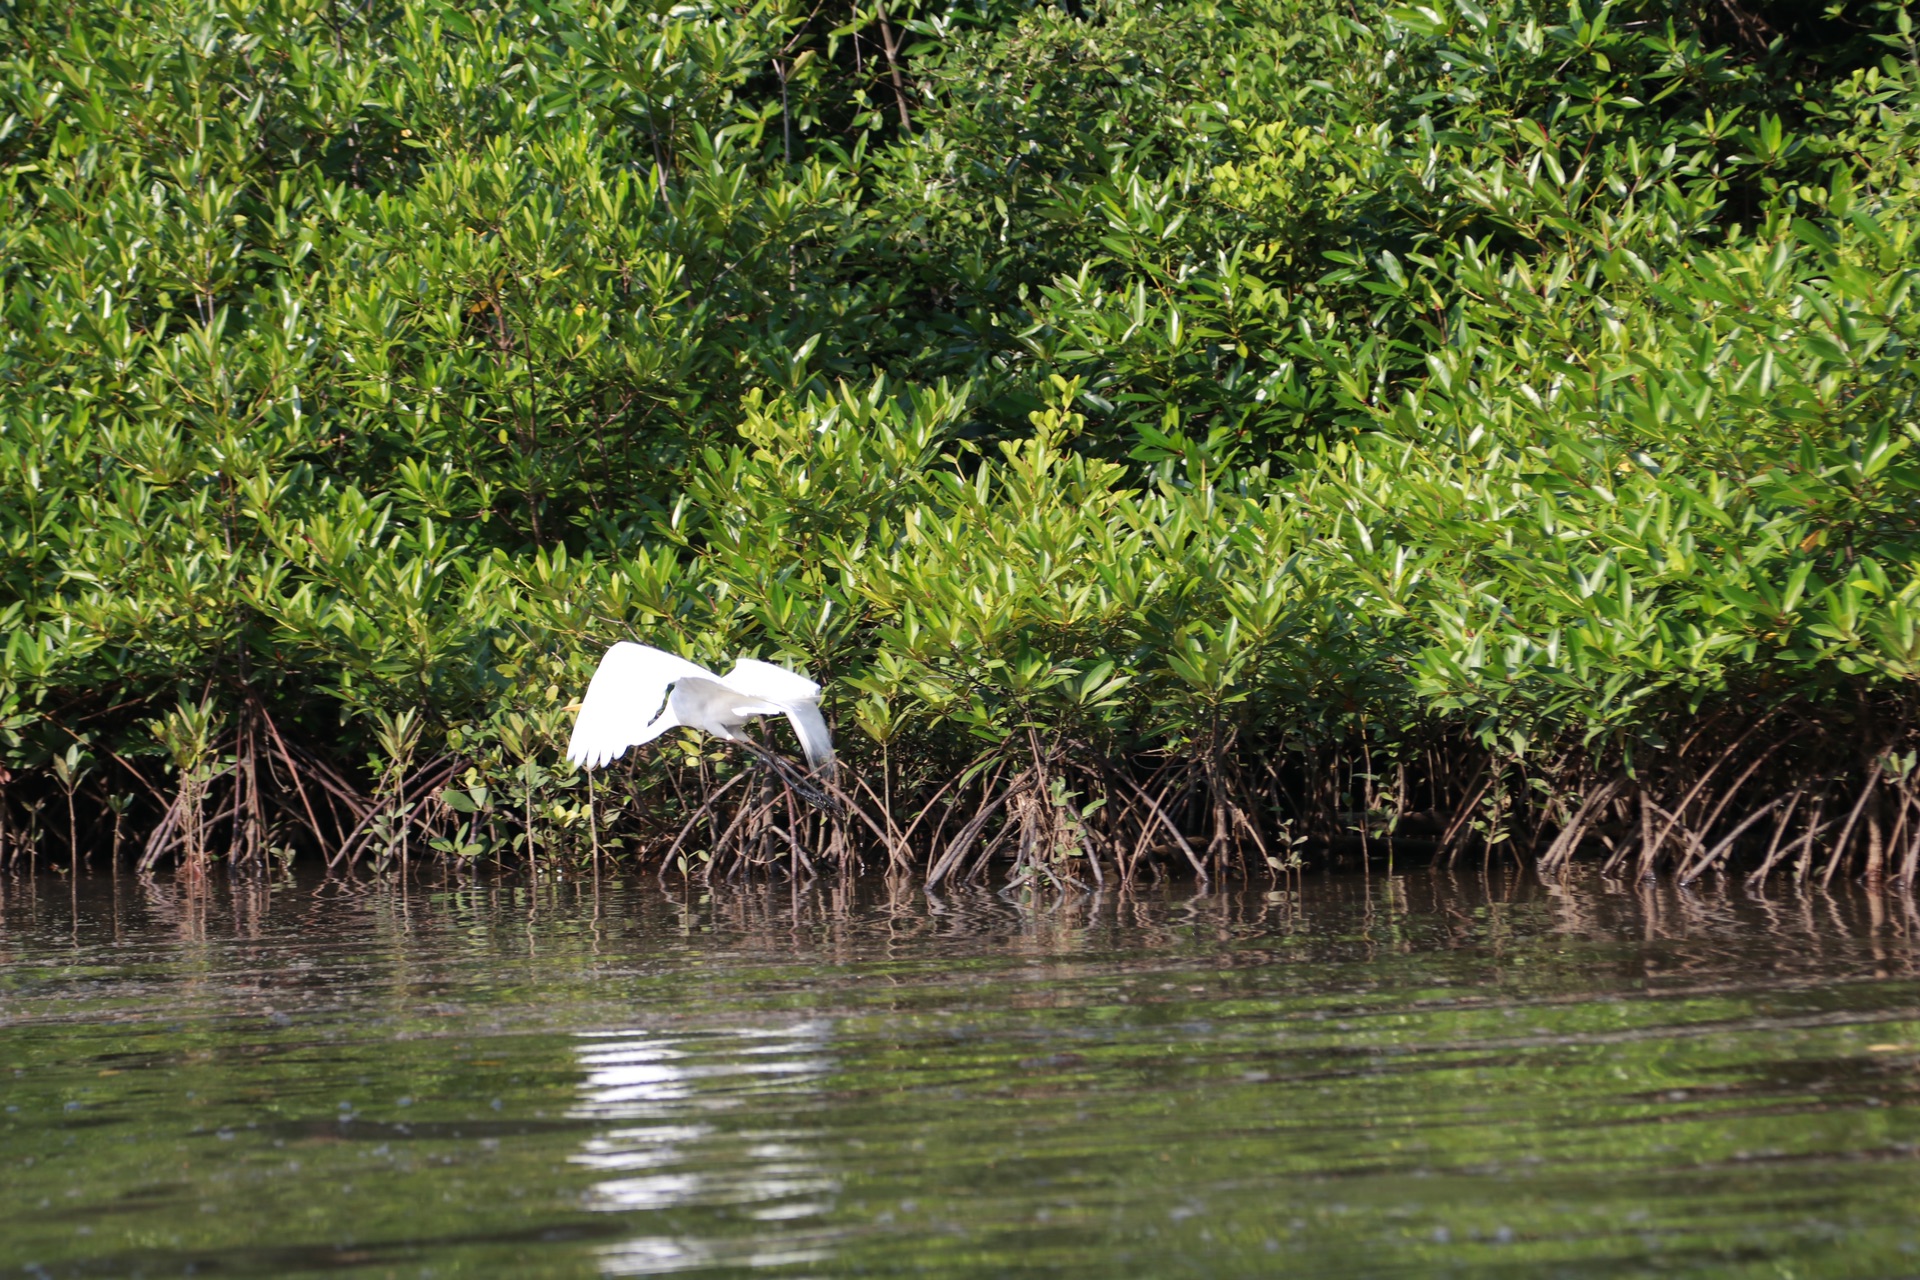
x=963, y=841
x=1192, y=857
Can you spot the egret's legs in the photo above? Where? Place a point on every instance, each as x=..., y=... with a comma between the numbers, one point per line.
x=802, y=784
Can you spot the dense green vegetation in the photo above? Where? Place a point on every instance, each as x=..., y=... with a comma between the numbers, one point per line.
x=1174, y=431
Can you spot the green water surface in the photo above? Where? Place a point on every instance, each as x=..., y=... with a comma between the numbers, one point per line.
x=1358, y=1076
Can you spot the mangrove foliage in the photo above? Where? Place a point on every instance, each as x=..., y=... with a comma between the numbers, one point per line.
x=1184, y=436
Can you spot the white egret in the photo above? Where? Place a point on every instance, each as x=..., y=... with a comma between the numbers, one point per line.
x=640, y=692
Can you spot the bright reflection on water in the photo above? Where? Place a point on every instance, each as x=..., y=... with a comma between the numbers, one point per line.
x=1413, y=1075
x=770, y=1174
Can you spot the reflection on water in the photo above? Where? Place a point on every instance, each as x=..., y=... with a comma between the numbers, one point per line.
x=1404, y=1075
x=675, y=1155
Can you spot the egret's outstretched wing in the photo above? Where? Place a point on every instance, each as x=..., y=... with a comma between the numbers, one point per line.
x=759, y=679
x=794, y=694
x=623, y=706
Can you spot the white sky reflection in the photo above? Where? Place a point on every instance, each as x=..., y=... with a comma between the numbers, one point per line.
x=705, y=1125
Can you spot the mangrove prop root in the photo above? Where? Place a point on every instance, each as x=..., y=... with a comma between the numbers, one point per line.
x=1754, y=797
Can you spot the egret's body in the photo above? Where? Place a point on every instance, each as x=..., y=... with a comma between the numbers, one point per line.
x=640, y=692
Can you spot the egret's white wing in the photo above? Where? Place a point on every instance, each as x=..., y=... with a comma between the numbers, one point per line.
x=792, y=693
x=623, y=706
x=759, y=679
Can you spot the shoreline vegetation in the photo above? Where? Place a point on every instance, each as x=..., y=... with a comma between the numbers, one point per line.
x=1183, y=438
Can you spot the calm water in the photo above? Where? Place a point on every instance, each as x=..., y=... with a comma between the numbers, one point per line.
x=1413, y=1076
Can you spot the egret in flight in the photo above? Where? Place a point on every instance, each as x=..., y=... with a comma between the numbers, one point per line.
x=640, y=692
